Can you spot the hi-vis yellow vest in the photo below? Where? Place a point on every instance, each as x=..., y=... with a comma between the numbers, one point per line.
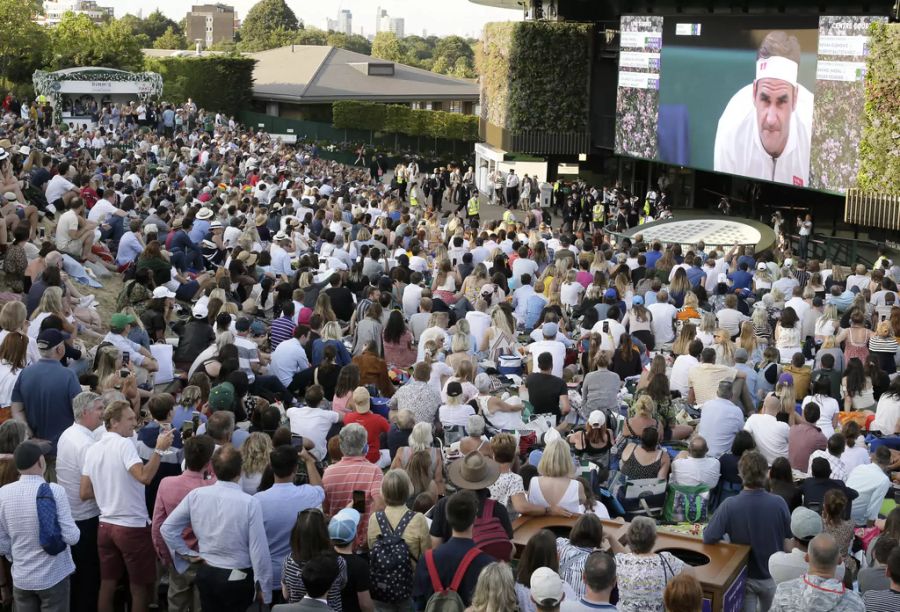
x=598, y=213
x=473, y=206
x=413, y=200
x=508, y=217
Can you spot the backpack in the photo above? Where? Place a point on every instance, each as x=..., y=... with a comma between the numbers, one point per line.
x=50, y=533
x=489, y=534
x=447, y=600
x=391, y=576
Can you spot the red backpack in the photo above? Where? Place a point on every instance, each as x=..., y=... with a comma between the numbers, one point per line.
x=489, y=534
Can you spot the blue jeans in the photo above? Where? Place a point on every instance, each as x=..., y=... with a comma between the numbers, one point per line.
x=188, y=260
x=892, y=442
x=116, y=229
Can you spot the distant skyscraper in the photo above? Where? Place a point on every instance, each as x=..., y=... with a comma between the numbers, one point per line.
x=386, y=23
x=345, y=22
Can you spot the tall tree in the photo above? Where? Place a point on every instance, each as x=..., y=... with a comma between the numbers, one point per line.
x=354, y=42
x=387, y=47
x=78, y=41
x=263, y=19
x=170, y=39
x=156, y=24
x=23, y=43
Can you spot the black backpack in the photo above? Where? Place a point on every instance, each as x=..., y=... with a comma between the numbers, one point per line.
x=391, y=562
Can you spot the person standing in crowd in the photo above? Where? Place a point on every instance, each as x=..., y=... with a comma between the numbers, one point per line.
x=234, y=561
x=758, y=519
x=71, y=449
x=198, y=451
x=818, y=589
x=114, y=476
x=37, y=532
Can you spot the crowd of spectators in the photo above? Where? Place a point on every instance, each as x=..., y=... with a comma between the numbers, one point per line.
x=318, y=390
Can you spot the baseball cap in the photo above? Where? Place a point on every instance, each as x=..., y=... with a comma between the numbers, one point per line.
x=199, y=311
x=28, y=452
x=610, y=293
x=550, y=330
x=49, y=338
x=120, y=319
x=741, y=353
x=454, y=389
x=163, y=292
x=221, y=397
x=551, y=435
x=786, y=378
x=242, y=324
x=637, y=300
x=546, y=587
x=596, y=418
x=805, y=523
x=761, y=265
x=343, y=525
x=788, y=262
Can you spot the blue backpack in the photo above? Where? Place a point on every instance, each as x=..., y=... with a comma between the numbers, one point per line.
x=50, y=532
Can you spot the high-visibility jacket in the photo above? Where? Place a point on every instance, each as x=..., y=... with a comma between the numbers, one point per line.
x=508, y=217
x=474, y=206
x=598, y=213
x=413, y=199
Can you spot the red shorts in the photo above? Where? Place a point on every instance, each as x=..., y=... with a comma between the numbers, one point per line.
x=128, y=549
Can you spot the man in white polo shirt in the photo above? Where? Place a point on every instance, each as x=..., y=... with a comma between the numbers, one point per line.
x=115, y=477
x=549, y=345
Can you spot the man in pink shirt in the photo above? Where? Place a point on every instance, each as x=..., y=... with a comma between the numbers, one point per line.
x=198, y=451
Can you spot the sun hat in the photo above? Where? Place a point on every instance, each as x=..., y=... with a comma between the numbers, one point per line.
x=9, y=196
x=215, y=225
x=163, y=292
x=596, y=418
x=204, y=213
x=473, y=472
x=343, y=525
x=546, y=587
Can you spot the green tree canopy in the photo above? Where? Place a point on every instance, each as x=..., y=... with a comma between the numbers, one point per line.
x=78, y=41
x=265, y=18
x=170, y=39
x=387, y=47
x=23, y=43
x=354, y=42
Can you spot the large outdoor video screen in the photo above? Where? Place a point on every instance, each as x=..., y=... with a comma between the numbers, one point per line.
x=772, y=98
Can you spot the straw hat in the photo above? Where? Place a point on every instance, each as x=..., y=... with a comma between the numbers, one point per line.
x=474, y=472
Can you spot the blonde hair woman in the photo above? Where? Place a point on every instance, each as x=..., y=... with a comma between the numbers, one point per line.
x=500, y=338
x=707, y=330
x=495, y=590
x=51, y=303
x=323, y=308
x=471, y=286
x=460, y=351
x=422, y=461
x=599, y=264
x=556, y=487
x=108, y=370
x=687, y=334
x=828, y=323
x=747, y=340
x=724, y=348
x=255, y=453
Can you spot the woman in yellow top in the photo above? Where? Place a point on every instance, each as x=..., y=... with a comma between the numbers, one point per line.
x=396, y=488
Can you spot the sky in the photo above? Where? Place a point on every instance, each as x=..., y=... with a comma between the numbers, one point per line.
x=439, y=17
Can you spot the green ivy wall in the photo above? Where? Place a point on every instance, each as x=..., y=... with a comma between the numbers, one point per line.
x=879, y=150
x=535, y=75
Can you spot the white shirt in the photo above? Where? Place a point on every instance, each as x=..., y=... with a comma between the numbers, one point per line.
x=70, y=453
x=886, y=414
x=230, y=236
x=101, y=210
x=770, y=435
x=570, y=294
x=691, y=471
x=458, y=415
x=730, y=320
x=555, y=348
x=839, y=471
x=856, y=455
x=68, y=221
x=739, y=150
x=828, y=407
x=313, y=423
x=799, y=305
x=678, y=378
x=524, y=266
x=119, y=495
x=663, y=316
x=281, y=261
x=412, y=294
x=610, y=341
x=56, y=187
x=125, y=345
x=479, y=322
x=872, y=485
x=786, y=284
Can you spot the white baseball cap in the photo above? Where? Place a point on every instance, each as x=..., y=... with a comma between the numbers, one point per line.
x=596, y=418
x=546, y=587
x=163, y=292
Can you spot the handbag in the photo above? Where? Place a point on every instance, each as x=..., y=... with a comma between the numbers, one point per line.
x=687, y=504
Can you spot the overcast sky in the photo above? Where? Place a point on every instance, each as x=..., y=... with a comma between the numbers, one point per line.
x=439, y=17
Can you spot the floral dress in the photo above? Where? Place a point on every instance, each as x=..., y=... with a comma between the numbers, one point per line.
x=643, y=578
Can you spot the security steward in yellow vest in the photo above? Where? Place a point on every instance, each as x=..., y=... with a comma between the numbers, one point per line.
x=473, y=207
x=598, y=216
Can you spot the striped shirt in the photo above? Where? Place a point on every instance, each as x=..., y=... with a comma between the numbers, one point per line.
x=292, y=579
x=882, y=601
x=282, y=329
x=341, y=479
